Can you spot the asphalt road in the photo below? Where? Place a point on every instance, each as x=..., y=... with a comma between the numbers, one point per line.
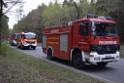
x=112, y=73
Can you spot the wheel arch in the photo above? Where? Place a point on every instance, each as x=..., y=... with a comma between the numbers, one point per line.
x=73, y=51
x=51, y=48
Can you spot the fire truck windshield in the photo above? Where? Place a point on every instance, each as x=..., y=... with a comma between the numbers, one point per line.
x=30, y=36
x=103, y=29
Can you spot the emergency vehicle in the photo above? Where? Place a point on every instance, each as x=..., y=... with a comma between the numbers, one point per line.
x=87, y=40
x=26, y=40
x=13, y=39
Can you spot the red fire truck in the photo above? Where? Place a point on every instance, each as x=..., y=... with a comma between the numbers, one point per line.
x=26, y=40
x=87, y=40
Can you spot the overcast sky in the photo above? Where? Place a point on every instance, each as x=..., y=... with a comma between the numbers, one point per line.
x=28, y=6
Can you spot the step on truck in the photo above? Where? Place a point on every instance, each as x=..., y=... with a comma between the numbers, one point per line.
x=87, y=40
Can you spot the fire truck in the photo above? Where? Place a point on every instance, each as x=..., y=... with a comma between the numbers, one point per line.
x=13, y=39
x=26, y=40
x=87, y=40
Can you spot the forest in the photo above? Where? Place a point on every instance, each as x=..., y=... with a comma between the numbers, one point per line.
x=56, y=14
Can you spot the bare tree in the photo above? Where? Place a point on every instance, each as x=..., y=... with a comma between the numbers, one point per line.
x=1, y=13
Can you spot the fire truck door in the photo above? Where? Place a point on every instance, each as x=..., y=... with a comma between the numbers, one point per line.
x=82, y=36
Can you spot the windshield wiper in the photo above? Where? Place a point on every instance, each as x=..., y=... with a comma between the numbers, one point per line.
x=110, y=34
x=101, y=34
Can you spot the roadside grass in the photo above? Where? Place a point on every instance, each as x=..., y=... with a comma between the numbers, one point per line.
x=4, y=48
x=122, y=50
x=18, y=67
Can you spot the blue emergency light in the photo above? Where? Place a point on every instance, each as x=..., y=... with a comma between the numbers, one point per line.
x=89, y=16
x=108, y=18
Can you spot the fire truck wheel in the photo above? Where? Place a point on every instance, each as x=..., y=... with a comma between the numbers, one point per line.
x=22, y=47
x=18, y=46
x=102, y=64
x=49, y=54
x=77, y=60
x=33, y=48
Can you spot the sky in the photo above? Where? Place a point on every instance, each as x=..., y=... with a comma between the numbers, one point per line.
x=28, y=6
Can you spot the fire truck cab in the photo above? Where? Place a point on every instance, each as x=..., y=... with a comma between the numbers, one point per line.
x=87, y=40
x=26, y=40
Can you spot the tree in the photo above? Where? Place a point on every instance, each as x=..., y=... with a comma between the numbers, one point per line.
x=4, y=27
x=1, y=14
x=33, y=22
x=85, y=7
x=19, y=12
x=5, y=8
x=51, y=14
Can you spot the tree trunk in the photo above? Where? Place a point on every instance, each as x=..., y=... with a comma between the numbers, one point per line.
x=78, y=10
x=1, y=8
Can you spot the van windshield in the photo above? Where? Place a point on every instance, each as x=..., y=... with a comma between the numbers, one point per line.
x=30, y=36
x=103, y=29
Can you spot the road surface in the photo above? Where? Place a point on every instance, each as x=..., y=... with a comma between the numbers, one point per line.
x=112, y=73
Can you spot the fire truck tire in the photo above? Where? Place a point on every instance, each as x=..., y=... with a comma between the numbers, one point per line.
x=77, y=60
x=49, y=54
x=33, y=48
x=102, y=64
x=18, y=46
x=22, y=47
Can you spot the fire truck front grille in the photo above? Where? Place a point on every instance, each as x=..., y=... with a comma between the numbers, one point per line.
x=30, y=42
x=107, y=58
x=106, y=49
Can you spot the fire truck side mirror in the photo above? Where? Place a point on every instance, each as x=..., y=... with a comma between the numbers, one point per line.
x=70, y=23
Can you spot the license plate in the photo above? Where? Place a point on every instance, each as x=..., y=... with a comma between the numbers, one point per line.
x=108, y=56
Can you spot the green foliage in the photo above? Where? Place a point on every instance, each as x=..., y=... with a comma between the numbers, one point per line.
x=85, y=7
x=122, y=50
x=67, y=13
x=4, y=26
x=51, y=14
x=102, y=7
x=4, y=48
